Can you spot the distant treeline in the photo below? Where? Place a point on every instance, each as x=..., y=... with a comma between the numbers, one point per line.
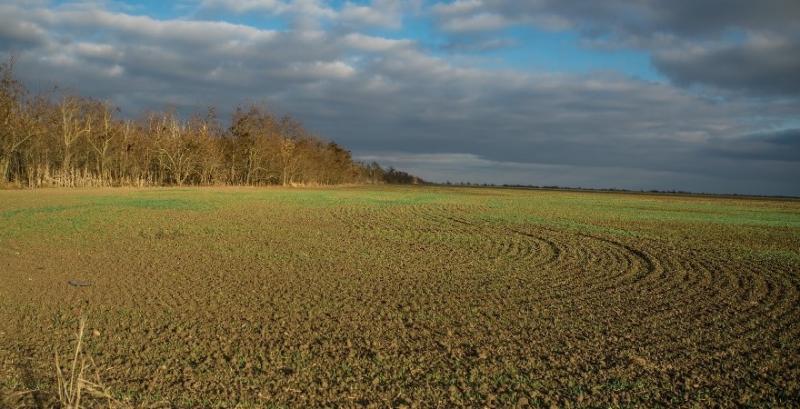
x=615, y=190
x=68, y=140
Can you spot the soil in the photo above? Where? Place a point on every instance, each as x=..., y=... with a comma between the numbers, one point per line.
x=403, y=297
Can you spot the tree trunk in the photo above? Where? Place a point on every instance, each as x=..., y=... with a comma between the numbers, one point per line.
x=66, y=170
x=4, y=164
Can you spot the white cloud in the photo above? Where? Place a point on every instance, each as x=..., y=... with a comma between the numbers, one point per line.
x=476, y=22
x=372, y=43
x=305, y=14
x=379, y=13
x=458, y=7
x=324, y=69
x=96, y=50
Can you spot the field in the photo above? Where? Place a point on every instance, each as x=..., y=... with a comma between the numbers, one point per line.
x=418, y=297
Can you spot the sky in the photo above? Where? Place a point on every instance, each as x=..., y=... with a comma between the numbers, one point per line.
x=694, y=95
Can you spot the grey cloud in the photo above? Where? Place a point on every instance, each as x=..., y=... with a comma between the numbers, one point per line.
x=757, y=68
x=569, y=120
x=482, y=45
x=783, y=145
x=17, y=33
x=682, y=17
x=476, y=22
x=713, y=16
x=379, y=13
x=311, y=13
x=457, y=167
x=669, y=30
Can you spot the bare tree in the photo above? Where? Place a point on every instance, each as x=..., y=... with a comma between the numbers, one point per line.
x=101, y=139
x=75, y=141
x=177, y=150
x=74, y=123
x=14, y=131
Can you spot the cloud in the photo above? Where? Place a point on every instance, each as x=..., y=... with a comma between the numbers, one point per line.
x=365, y=42
x=310, y=13
x=18, y=32
x=782, y=145
x=458, y=7
x=481, y=45
x=378, y=13
x=459, y=167
x=476, y=22
x=245, y=6
x=685, y=18
x=730, y=35
x=323, y=70
x=758, y=67
x=304, y=14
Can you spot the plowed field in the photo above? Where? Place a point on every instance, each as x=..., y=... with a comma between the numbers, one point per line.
x=390, y=297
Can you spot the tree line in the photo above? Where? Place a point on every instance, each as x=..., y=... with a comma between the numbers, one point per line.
x=57, y=139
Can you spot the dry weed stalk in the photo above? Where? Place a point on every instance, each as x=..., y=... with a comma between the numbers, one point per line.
x=73, y=386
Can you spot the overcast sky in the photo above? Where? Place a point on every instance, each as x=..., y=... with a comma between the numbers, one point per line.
x=700, y=95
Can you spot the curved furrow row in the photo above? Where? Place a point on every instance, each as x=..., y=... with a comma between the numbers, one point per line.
x=628, y=283
x=664, y=286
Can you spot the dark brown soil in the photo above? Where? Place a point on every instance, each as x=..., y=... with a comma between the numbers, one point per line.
x=407, y=297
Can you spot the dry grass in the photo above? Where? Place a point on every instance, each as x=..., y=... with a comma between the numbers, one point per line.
x=73, y=385
x=77, y=383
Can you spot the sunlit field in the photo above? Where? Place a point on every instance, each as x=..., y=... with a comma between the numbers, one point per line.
x=401, y=296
